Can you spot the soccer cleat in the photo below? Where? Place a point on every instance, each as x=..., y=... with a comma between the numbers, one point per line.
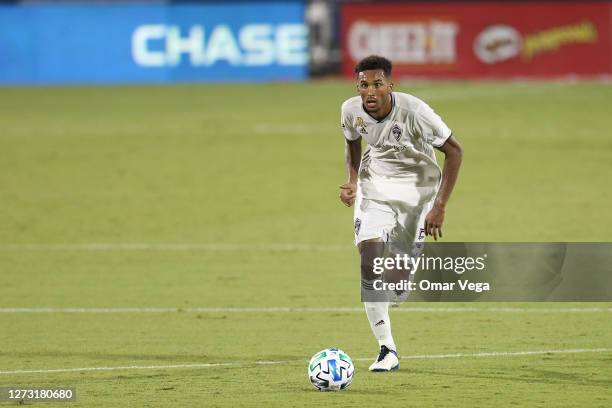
x=387, y=360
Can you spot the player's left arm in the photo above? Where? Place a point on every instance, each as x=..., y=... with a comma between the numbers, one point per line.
x=453, y=154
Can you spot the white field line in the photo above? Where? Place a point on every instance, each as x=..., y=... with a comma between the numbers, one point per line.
x=406, y=309
x=141, y=246
x=242, y=364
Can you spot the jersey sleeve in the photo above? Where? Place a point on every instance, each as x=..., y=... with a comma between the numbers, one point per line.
x=346, y=122
x=431, y=127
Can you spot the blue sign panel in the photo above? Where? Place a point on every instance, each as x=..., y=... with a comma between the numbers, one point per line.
x=132, y=43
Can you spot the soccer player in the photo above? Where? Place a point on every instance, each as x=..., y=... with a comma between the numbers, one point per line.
x=398, y=190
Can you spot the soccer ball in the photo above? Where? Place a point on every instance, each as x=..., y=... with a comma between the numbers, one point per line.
x=331, y=370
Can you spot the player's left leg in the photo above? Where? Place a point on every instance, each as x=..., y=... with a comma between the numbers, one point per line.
x=407, y=238
x=398, y=226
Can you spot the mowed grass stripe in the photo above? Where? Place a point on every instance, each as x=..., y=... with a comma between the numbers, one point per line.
x=142, y=246
x=406, y=309
x=245, y=364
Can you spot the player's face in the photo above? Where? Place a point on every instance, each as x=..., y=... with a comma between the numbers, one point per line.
x=375, y=91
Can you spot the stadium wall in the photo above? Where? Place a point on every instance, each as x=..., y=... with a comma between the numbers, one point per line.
x=72, y=43
x=270, y=40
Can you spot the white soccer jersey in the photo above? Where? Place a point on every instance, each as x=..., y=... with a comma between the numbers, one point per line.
x=400, y=154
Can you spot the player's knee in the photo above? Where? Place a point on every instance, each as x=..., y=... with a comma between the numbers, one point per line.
x=369, y=250
x=369, y=243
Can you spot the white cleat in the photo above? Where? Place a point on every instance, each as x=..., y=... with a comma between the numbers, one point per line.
x=387, y=360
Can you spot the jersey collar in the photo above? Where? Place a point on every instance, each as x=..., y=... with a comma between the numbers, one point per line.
x=388, y=114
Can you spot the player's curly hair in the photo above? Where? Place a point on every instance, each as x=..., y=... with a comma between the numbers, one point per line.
x=374, y=62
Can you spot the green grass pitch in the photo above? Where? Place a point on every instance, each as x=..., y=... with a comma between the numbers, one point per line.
x=196, y=197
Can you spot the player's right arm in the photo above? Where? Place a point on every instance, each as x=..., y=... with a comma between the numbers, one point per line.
x=352, y=158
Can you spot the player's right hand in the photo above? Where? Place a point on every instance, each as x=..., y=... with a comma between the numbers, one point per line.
x=347, y=193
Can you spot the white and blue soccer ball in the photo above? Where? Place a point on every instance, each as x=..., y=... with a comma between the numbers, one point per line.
x=331, y=370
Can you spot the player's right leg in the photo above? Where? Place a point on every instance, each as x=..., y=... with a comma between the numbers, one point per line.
x=378, y=309
x=373, y=220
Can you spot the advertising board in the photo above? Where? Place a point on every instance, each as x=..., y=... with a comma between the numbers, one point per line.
x=135, y=43
x=475, y=40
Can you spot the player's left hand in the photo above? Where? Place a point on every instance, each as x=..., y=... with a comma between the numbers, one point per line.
x=434, y=221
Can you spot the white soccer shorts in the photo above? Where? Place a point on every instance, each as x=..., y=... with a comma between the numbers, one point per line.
x=396, y=222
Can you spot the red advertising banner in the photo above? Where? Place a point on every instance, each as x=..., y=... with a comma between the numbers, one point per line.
x=481, y=40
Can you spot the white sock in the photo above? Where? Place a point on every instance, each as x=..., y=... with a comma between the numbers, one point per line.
x=378, y=315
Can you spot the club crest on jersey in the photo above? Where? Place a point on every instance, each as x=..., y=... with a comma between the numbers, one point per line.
x=396, y=131
x=360, y=123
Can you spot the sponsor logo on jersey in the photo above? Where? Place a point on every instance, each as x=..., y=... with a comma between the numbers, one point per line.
x=397, y=132
x=360, y=123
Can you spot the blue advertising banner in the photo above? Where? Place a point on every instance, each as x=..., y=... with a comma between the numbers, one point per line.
x=138, y=43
